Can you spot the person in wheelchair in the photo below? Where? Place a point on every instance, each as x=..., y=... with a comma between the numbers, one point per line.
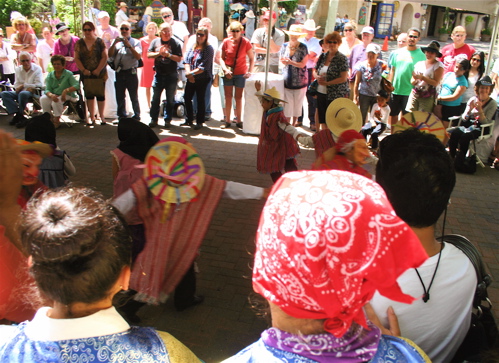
x=60, y=86
x=29, y=80
x=480, y=110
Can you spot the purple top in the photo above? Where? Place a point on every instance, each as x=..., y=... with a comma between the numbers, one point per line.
x=67, y=50
x=358, y=55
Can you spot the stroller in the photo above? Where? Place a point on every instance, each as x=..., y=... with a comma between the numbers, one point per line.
x=178, y=108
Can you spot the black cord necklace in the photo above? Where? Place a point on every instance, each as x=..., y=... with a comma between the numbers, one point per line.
x=426, y=295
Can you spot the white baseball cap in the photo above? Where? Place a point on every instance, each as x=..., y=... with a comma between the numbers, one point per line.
x=368, y=29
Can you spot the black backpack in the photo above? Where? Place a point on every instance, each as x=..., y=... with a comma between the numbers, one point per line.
x=465, y=164
x=482, y=334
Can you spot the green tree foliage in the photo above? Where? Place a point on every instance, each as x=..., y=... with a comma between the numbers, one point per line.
x=110, y=7
x=290, y=6
x=7, y=6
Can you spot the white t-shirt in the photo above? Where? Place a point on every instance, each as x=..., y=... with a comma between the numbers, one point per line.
x=420, y=67
x=470, y=91
x=120, y=18
x=312, y=46
x=439, y=325
x=385, y=112
x=260, y=38
x=182, y=12
x=322, y=72
x=8, y=65
x=44, y=52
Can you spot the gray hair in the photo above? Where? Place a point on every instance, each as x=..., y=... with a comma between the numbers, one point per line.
x=26, y=54
x=348, y=147
x=166, y=10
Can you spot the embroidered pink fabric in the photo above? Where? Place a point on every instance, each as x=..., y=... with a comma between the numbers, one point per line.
x=327, y=240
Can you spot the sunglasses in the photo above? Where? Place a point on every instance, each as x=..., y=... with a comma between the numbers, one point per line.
x=166, y=16
x=200, y=34
x=235, y=31
x=125, y=29
x=475, y=59
x=331, y=42
x=414, y=36
x=348, y=30
x=87, y=30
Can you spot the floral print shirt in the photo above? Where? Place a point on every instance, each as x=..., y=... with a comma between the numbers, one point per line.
x=339, y=64
x=294, y=77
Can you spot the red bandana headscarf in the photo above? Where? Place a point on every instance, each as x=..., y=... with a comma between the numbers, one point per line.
x=327, y=240
x=347, y=137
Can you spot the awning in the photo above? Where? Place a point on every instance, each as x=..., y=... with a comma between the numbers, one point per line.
x=479, y=6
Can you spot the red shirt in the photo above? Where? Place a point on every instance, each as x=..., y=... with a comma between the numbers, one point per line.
x=449, y=54
x=229, y=51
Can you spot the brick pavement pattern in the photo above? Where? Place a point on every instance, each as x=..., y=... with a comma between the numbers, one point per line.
x=224, y=323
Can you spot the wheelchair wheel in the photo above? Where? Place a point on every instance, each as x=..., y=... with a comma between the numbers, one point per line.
x=180, y=110
x=80, y=108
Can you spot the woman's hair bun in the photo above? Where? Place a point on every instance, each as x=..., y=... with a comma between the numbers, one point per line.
x=61, y=225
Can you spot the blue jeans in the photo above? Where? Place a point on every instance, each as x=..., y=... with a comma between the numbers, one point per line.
x=169, y=84
x=207, y=100
x=16, y=102
x=126, y=80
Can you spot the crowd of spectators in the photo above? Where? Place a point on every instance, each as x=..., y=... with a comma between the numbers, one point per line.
x=332, y=288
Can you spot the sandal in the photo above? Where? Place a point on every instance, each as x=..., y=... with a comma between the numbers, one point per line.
x=225, y=125
x=239, y=124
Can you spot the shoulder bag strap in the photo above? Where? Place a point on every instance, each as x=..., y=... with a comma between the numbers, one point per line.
x=483, y=279
x=237, y=52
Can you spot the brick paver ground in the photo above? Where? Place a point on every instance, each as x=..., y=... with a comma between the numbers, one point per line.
x=224, y=323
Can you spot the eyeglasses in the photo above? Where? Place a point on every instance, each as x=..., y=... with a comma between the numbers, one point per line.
x=24, y=60
x=200, y=34
x=235, y=30
x=414, y=36
x=87, y=30
x=166, y=16
x=331, y=42
x=476, y=59
x=348, y=30
x=125, y=29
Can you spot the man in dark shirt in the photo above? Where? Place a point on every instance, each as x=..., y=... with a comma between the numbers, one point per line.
x=167, y=51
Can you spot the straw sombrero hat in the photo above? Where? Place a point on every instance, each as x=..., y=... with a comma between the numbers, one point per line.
x=423, y=121
x=341, y=115
x=173, y=171
x=272, y=93
x=295, y=29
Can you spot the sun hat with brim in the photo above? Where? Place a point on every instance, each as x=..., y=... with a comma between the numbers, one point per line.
x=423, y=121
x=44, y=150
x=310, y=25
x=250, y=14
x=295, y=29
x=237, y=7
x=485, y=81
x=271, y=93
x=61, y=27
x=174, y=172
x=434, y=47
x=123, y=5
x=341, y=115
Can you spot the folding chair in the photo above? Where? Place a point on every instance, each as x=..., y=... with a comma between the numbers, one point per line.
x=486, y=131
